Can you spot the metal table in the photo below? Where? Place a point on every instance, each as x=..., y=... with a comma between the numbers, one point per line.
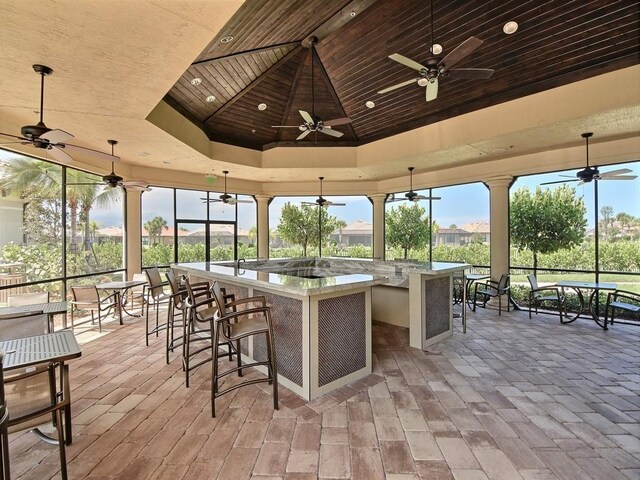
x=591, y=307
x=50, y=309
x=120, y=289
x=56, y=347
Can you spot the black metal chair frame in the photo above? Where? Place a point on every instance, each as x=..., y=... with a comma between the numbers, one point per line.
x=623, y=300
x=155, y=296
x=230, y=318
x=492, y=289
x=536, y=296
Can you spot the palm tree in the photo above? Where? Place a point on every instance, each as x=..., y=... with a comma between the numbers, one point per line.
x=154, y=227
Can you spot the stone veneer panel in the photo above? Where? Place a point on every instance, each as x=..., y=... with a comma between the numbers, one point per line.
x=437, y=306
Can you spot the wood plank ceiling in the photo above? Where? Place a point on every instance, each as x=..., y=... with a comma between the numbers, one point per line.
x=269, y=61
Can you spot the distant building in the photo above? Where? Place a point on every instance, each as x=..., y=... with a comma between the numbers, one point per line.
x=355, y=233
x=472, y=232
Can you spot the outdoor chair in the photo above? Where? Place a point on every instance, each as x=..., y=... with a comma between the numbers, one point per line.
x=492, y=289
x=34, y=395
x=5, y=473
x=234, y=324
x=138, y=293
x=623, y=301
x=88, y=298
x=22, y=299
x=537, y=296
x=198, y=330
x=156, y=295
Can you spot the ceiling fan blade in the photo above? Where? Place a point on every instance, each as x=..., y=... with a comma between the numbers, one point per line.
x=244, y=201
x=334, y=204
x=13, y=136
x=13, y=143
x=56, y=136
x=337, y=121
x=559, y=181
x=395, y=87
x=465, y=48
x=471, y=73
x=97, y=154
x=407, y=62
x=84, y=183
x=285, y=126
x=59, y=154
x=333, y=133
x=303, y=134
x=432, y=89
x=423, y=197
x=620, y=171
x=306, y=116
x=310, y=204
x=618, y=177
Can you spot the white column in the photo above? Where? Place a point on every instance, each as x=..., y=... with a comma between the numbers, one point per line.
x=499, y=188
x=378, y=225
x=133, y=233
x=263, y=226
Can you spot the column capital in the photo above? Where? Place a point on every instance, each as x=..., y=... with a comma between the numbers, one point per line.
x=262, y=198
x=504, y=181
x=378, y=197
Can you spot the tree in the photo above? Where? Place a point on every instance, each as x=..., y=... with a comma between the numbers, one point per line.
x=154, y=228
x=408, y=228
x=626, y=222
x=301, y=225
x=546, y=221
x=606, y=223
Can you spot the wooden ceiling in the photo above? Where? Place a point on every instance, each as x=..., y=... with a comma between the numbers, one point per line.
x=269, y=61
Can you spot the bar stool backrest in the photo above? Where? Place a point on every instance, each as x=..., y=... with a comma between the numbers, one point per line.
x=533, y=281
x=218, y=296
x=155, y=281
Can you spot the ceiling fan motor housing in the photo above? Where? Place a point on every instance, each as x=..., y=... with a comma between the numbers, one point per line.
x=112, y=180
x=588, y=174
x=34, y=131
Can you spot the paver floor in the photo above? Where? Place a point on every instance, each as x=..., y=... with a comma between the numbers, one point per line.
x=512, y=399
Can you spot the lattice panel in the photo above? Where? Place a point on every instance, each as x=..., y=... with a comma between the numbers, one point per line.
x=342, y=337
x=437, y=306
x=239, y=292
x=286, y=314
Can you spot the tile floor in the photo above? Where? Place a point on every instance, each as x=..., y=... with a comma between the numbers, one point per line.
x=512, y=399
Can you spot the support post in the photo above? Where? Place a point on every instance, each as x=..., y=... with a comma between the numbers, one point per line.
x=263, y=226
x=378, y=225
x=133, y=233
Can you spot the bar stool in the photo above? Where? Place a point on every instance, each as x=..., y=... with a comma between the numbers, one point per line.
x=232, y=325
x=155, y=295
x=201, y=310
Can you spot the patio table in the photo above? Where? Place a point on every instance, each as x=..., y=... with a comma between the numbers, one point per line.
x=56, y=347
x=591, y=307
x=120, y=289
x=50, y=309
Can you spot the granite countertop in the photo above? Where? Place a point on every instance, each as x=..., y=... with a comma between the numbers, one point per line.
x=311, y=276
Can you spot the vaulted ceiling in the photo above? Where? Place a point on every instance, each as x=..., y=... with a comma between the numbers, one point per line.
x=269, y=60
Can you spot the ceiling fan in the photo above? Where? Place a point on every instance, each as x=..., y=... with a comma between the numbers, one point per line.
x=112, y=180
x=323, y=202
x=437, y=67
x=313, y=123
x=411, y=195
x=225, y=197
x=51, y=140
x=589, y=174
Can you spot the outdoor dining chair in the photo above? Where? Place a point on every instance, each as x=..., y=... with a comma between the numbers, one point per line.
x=492, y=289
x=35, y=396
x=22, y=299
x=537, y=296
x=623, y=301
x=88, y=298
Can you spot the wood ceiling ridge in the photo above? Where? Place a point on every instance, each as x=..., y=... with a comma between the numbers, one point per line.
x=246, y=52
x=255, y=83
x=294, y=87
x=337, y=21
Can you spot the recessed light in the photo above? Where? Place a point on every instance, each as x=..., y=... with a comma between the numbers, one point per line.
x=210, y=99
x=262, y=106
x=352, y=13
x=166, y=162
x=370, y=104
x=196, y=81
x=436, y=49
x=510, y=27
x=226, y=39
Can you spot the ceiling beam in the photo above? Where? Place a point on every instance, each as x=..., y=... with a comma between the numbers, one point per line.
x=254, y=84
x=347, y=13
x=246, y=52
x=294, y=87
